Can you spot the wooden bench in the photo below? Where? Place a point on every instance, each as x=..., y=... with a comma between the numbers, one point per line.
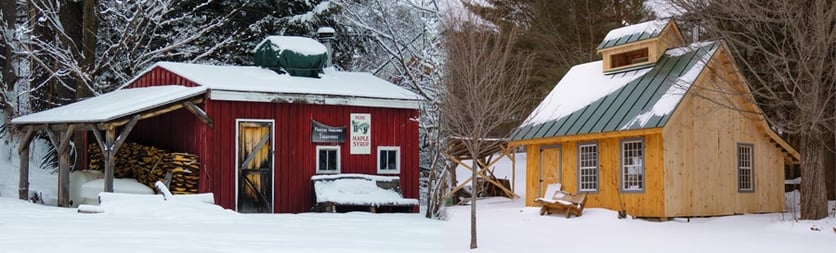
x=355, y=192
x=559, y=200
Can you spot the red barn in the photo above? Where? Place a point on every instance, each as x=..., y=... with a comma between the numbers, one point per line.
x=251, y=104
x=270, y=127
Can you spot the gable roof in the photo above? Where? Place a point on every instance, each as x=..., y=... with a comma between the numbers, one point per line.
x=252, y=83
x=112, y=106
x=589, y=101
x=633, y=33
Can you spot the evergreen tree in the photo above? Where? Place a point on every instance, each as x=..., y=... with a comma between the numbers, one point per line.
x=560, y=33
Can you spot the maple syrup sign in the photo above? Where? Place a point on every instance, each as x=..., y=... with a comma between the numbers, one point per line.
x=361, y=134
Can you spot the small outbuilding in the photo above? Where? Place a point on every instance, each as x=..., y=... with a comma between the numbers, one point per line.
x=262, y=132
x=658, y=129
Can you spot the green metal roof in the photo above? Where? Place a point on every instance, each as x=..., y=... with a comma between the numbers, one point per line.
x=633, y=33
x=647, y=100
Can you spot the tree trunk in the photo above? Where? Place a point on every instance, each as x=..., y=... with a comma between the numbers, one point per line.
x=813, y=191
x=473, y=194
x=9, y=10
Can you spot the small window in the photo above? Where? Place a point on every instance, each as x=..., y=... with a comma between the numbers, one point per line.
x=327, y=159
x=745, y=177
x=632, y=165
x=588, y=167
x=629, y=58
x=389, y=160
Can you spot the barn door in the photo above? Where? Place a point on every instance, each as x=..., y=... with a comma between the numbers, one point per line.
x=549, y=167
x=255, y=166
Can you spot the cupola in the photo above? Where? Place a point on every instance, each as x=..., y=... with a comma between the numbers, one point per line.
x=638, y=45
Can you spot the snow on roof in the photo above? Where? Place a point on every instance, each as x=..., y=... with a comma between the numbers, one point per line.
x=257, y=79
x=582, y=85
x=112, y=106
x=301, y=45
x=668, y=102
x=357, y=189
x=325, y=29
x=588, y=100
x=632, y=33
x=653, y=26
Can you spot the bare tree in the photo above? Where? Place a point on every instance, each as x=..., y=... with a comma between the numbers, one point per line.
x=481, y=88
x=400, y=41
x=785, y=49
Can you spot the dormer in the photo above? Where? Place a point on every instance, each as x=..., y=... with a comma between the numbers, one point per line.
x=638, y=45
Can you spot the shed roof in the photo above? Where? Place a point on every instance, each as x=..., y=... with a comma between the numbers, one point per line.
x=589, y=101
x=112, y=106
x=633, y=33
x=257, y=79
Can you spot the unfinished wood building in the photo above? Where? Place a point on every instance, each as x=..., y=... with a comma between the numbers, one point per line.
x=657, y=128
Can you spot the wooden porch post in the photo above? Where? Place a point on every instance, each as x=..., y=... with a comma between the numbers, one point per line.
x=61, y=141
x=23, y=154
x=110, y=145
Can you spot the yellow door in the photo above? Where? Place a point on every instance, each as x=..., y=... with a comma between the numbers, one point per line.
x=549, y=167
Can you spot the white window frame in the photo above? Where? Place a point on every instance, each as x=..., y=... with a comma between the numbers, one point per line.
x=745, y=167
x=397, y=159
x=588, y=167
x=320, y=170
x=633, y=160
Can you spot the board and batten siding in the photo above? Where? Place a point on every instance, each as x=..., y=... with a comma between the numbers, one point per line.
x=295, y=153
x=647, y=203
x=701, y=156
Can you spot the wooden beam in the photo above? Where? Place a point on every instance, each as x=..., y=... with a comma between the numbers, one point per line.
x=124, y=134
x=199, y=113
x=480, y=173
x=558, y=139
x=23, y=155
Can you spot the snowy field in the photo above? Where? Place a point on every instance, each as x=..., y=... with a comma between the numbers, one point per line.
x=504, y=226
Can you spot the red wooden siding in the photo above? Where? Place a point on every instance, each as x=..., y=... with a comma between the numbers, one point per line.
x=295, y=154
x=176, y=131
x=160, y=76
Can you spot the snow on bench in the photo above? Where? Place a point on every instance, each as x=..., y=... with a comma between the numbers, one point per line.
x=137, y=203
x=358, y=190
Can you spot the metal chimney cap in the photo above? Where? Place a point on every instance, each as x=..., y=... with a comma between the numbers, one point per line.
x=326, y=32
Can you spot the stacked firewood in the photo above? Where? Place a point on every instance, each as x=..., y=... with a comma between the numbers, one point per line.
x=185, y=171
x=149, y=164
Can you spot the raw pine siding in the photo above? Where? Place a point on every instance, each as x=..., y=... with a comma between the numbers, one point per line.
x=701, y=158
x=642, y=204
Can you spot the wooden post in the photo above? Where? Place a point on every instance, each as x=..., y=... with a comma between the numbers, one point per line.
x=23, y=154
x=110, y=145
x=110, y=158
x=61, y=141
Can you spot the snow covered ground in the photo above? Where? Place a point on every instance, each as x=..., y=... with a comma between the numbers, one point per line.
x=504, y=226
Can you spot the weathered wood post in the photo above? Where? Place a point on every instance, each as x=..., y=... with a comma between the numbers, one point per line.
x=23, y=154
x=61, y=141
x=110, y=145
x=110, y=158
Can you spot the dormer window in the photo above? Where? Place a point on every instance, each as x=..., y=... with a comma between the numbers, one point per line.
x=629, y=58
x=638, y=45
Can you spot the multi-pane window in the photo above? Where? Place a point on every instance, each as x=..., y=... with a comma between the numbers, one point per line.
x=388, y=160
x=588, y=167
x=327, y=159
x=632, y=165
x=745, y=178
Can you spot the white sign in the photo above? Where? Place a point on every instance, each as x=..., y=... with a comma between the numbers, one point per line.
x=361, y=134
